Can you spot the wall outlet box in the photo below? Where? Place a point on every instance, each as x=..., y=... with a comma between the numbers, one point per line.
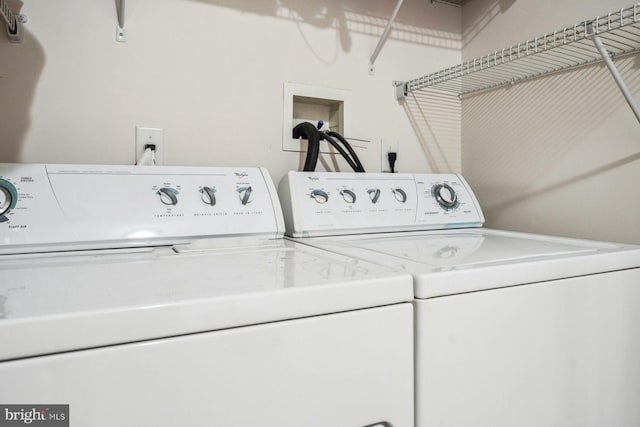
x=388, y=145
x=146, y=136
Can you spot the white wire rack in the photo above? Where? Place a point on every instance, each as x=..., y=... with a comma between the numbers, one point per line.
x=14, y=22
x=458, y=3
x=559, y=51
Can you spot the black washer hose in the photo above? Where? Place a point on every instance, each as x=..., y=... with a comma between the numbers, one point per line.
x=309, y=132
x=354, y=156
x=343, y=153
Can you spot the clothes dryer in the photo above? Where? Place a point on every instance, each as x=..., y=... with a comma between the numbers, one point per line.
x=166, y=296
x=511, y=329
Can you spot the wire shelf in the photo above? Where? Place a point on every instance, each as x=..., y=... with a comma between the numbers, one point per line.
x=13, y=21
x=561, y=50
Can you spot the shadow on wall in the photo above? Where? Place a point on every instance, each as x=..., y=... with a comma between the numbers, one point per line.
x=435, y=119
x=321, y=14
x=20, y=67
x=478, y=14
x=538, y=141
x=423, y=26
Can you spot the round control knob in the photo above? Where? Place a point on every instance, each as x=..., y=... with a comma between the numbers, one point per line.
x=374, y=195
x=400, y=195
x=208, y=195
x=319, y=196
x=445, y=195
x=348, y=196
x=8, y=198
x=168, y=195
x=245, y=194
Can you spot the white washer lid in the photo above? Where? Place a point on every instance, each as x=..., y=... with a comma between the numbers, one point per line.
x=458, y=261
x=61, y=302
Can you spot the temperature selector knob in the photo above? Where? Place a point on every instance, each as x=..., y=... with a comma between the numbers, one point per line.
x=348, y=196
x=445, y=195
x=208, y=195
x=245, y=194
x=8, y=198
x=168, y=195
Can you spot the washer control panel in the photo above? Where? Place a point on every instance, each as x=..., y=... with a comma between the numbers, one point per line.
x=326, y=203
x=43, y=205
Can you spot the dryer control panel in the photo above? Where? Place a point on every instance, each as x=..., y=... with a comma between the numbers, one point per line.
x=329, y=203
x=50, y=207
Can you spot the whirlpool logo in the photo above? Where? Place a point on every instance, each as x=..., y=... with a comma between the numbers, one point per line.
x=36, y=415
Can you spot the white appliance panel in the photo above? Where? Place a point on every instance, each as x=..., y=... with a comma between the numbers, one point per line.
x=319, y=371
x=457, y=261
x=87, y=299
x=54, y=207
x=562, y=353
x=317, y=203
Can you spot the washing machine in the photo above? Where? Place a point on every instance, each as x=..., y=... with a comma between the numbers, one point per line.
x=511, y=329
x=167, y=296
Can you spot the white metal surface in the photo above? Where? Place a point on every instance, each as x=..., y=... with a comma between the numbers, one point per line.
x=81, y=300
x=511, y=329
x=59, y=207
x=312, y=372
x=561, y=353
x=165, y=295
x=470, y=260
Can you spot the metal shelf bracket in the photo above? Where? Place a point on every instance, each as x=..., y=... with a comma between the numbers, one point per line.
x=383, y=38
x=607, y=58
x=399, y=89
x=14, y=22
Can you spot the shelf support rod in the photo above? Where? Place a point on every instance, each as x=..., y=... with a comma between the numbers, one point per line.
x=121, y=34
x=616, y=76
x=383, y=38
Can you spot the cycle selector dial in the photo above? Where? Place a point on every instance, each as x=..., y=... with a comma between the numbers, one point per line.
x=320, y=196
x=445, y=195
x=245, y=194
x=8, y=198
x=168, y=196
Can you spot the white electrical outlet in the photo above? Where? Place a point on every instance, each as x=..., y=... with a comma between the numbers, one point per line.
x=388, y=145
x=146, y=136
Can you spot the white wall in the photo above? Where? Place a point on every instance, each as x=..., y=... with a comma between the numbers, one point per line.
x=211, y=73
x=558, y=155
